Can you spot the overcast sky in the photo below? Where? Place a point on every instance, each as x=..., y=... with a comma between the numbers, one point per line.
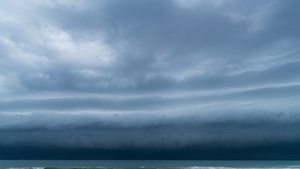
x=164, y=75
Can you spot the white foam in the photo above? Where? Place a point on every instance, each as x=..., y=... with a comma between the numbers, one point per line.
x=197, y=167
x=27, y=168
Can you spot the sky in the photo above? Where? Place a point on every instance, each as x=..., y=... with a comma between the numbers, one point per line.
x=149, y=79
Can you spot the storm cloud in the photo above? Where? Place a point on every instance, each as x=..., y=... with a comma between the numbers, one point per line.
x=166, y=76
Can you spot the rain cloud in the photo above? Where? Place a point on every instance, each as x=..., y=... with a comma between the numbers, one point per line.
x=157, y=77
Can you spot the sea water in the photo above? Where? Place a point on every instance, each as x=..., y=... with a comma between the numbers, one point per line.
x=140, y=164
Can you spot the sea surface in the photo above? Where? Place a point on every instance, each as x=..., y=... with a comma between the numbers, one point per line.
x=140, y=164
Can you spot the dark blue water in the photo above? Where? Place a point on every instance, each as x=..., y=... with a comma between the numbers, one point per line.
x=133, y=164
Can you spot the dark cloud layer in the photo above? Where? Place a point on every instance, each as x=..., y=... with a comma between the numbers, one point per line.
x=259, y=136
x=172, y=79
x=148, y=132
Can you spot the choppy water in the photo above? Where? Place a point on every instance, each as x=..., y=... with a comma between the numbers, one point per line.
x=139, y=164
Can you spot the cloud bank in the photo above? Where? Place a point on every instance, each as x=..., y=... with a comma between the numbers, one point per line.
x=138, y=75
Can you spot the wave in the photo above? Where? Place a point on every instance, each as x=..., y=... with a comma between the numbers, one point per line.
x=193, y=167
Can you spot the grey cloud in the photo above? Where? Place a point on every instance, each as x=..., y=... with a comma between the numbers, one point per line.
x=63, y=104
x=149, y=74
x=282, y=23
x=275, y=75
x=157, y=132
x=147, y=34
x=60, y=81
x=153, y=38
x=277, y=98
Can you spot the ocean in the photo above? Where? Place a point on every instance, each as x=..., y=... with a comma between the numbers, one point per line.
x=140, y=164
